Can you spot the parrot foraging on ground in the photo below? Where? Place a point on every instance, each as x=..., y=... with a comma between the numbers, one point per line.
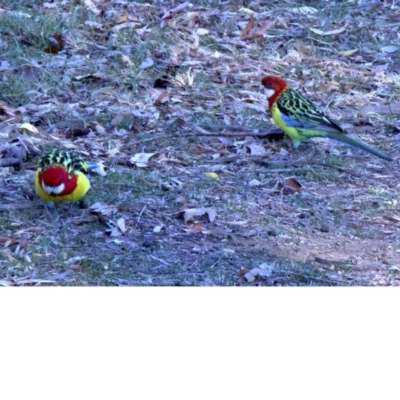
x=61, y=175
x=301, y=119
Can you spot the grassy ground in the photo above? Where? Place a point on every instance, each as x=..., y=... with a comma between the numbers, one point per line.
x=182, y=81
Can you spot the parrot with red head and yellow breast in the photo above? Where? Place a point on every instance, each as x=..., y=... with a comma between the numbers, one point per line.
x=301, y=119
x=61, y=176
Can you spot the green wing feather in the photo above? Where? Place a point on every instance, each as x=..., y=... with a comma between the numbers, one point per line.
x=299, y=112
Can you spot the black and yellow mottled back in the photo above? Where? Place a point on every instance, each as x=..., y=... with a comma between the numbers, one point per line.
x=70, y=160
x=299, y=112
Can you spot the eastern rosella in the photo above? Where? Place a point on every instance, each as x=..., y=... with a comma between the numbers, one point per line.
x=301, y=119
x=61, y=175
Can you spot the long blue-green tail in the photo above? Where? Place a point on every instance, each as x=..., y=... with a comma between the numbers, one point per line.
x=357, y=143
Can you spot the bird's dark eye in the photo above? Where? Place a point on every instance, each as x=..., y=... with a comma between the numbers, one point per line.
x=268, y=85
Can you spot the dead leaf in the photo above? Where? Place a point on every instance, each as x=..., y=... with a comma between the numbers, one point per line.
x=5, y=66
x=96, y=167
x=176, y=10
x=127, y=60
x=50, y=5
x=162, y=98
x=192, y=17
x=197, y=227
x=74, y=263
x=305, y=10
x=124, y=18
x=392, y=218
x=302, y=48
x=347, y=53
x=94, y=25
x=158, y=228
x=390, y=49
x=92, y=7
x=263, y=271
x=57, y=43
x=211, y=175
x=24, y=281
x=90, y=77
x=121, y=224
x=261, y=31
x=246, y=10
x=293, y=184
x=264, y=27
x=103, y=209
x=141, y=160
x=60, y=276
x=332, y=32
x=202, y=32
x=27, y=127
x=189, y=213
x=100, y=129
x=147, y=63
x=255, y=182
x=113, y=231
x=289, y=186
x=255, y=149
x=248, y=27
x=239, y=223
x=184, y=79
x=282, y=22
x=127, y=26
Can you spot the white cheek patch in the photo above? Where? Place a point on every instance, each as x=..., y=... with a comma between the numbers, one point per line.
x=269, y=92
x=53, y=189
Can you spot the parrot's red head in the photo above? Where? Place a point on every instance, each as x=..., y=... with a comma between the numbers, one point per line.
x=56, y=181
x=274, y=86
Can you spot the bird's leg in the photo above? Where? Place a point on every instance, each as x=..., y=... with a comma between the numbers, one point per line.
x=51, y=210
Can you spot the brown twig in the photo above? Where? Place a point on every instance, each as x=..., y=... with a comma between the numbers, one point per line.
x=243, y=132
